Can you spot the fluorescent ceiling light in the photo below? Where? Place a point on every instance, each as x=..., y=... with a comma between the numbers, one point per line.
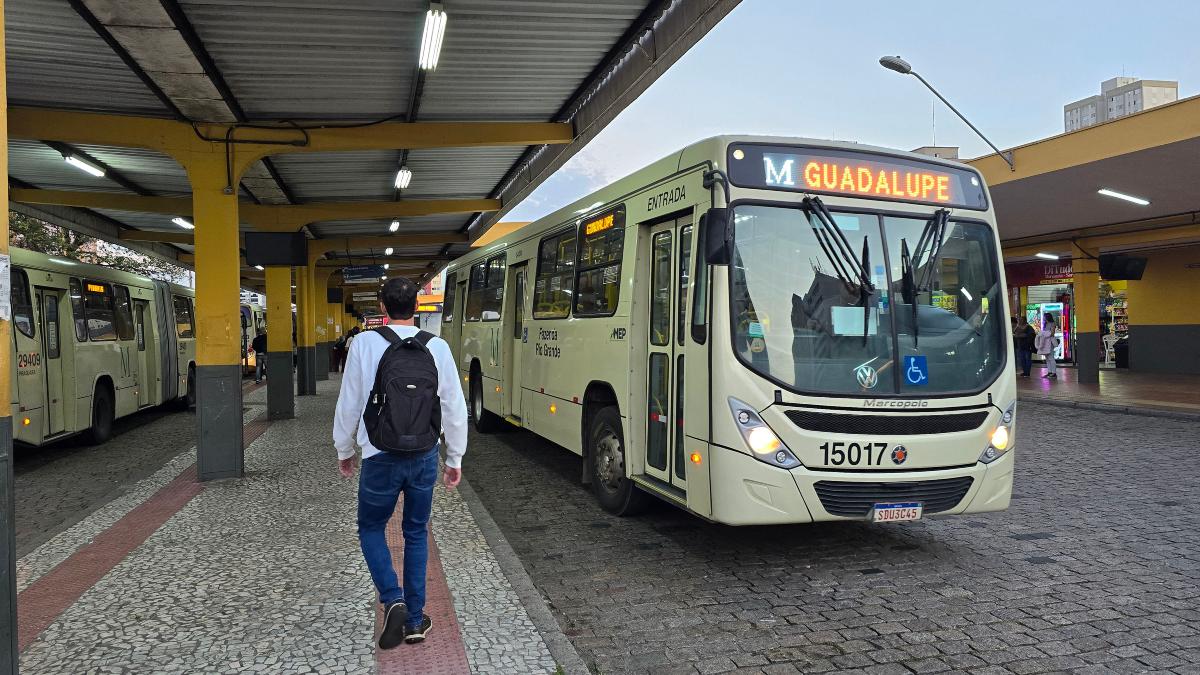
x=1046, y=256
x=184, y=223
x=403, y=178
x=394, y=226
x=258, y=267
x=1121, y=195
x=85, y=166
x=388, y=251
x=967, y=293
x=383, y=278
x=387, y=265
x=431, y=37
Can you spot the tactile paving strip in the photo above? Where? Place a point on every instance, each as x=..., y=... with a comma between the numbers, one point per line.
x=442, y=652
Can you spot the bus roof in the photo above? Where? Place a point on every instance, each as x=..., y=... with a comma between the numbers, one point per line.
x=27, y=259
x=711, y=149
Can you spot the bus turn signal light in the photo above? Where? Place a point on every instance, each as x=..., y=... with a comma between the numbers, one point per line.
x=25, y=422
x=696, y=459
x=553, y=408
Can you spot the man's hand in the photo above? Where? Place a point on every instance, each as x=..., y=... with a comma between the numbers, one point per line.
x=347, y=466
x=451, y=477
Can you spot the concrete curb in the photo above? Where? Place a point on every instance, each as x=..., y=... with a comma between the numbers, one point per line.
x=539, y=612
x=1111, y=408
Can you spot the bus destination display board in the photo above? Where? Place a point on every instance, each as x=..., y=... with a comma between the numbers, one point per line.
x=858, y=174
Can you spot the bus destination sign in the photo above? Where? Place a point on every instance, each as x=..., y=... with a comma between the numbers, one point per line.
x=859, y=174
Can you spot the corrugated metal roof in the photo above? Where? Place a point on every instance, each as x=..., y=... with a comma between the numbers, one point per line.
x=56, y=60
x=352, y=59
x=40, y=165
x=156, y=172
x=355, y=228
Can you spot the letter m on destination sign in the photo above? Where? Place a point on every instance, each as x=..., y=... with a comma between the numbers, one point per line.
x=781, y=175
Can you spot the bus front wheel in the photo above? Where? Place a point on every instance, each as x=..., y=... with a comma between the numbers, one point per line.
x=606, y=451
x=102, y=416
x=485, y=421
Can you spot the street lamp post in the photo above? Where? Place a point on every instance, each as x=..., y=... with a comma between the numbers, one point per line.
x=901, y=66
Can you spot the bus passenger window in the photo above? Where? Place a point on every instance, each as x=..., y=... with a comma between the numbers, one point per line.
x=555, y=276
x=99, y=307
x=685, y=249
x=660, y=289
x=600, y=249
x=448, y=300
x=124, y=314
x=22, y=306
x=184, y=327
x=493, y=293
x=81, y=333
x=477, y=283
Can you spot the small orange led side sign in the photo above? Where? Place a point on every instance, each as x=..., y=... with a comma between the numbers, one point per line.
x=599, y=225
x=95, y=288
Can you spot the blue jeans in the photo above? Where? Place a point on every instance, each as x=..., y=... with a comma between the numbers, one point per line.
x=260, y=366
x=1024, y=360
x=382, y=480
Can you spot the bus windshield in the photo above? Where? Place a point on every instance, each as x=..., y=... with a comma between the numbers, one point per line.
x=928, y=321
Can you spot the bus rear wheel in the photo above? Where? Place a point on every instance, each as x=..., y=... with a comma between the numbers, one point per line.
x=606, y=451
x=102, y=416
x=485, y=422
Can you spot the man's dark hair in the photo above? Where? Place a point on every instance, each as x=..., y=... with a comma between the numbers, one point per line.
x=400, y=298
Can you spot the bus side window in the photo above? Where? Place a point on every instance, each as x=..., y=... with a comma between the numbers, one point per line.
x=493, y=294
x=183, y=318
x=22, y=305
x=448, y=300
x=77, y=313
x=685, y=251
x=124, y=314
x=475, y=292
x=600, y=248
x=99, y=308
x=555, y=276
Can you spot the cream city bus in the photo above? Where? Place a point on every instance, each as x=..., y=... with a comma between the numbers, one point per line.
x=92, y=344
x=758, y=330
x=254, y=319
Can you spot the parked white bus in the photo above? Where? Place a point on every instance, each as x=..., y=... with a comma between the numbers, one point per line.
x=92, y=344
x=759, y=330
x=254, y=319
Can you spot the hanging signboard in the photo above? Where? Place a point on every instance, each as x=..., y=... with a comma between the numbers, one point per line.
x=362, y=274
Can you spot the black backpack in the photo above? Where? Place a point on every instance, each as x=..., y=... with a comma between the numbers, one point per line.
x=404, y=413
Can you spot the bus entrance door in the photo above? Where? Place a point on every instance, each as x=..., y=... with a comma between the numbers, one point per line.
x=664, y=431
x=56, y=405
x=147, y=384
x=516, y=339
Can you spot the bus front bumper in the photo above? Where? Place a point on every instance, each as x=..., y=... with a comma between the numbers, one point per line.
x=746, y=491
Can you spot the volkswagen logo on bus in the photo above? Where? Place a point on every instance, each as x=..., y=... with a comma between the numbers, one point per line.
x=899, y=454
x=867, y=377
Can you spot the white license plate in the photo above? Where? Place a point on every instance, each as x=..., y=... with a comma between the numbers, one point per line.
x=896, y=513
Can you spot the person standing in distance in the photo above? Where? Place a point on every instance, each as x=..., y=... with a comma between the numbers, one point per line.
x=398, y=428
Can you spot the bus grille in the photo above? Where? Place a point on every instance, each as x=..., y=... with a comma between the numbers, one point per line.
x=886, y=425
x=843, y=498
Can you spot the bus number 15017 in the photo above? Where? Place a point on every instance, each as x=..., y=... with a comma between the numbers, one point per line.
x=853, y=454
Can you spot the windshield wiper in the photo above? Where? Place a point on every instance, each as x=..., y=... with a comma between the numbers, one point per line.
x=833, y=241
x=931, y=238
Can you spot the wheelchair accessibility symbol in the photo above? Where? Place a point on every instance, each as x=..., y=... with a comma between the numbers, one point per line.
x=916, y=371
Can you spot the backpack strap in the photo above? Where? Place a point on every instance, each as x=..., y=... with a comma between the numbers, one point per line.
x=388, y=334
x=424, y=336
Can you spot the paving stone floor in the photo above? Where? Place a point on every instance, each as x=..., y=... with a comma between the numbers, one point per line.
x=1094, y=569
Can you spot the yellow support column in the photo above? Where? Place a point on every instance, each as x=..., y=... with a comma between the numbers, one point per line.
x=1086, y=312
x=218, y=317
x=8, y=544
x=281, y=402
x=306, y=382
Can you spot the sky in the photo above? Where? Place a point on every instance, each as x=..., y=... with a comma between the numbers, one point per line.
x=806, y=68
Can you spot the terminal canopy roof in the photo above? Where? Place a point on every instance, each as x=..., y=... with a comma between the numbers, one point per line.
x=1051, y=203
x=239, y=62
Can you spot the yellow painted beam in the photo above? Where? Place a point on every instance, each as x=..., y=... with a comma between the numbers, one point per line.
x=269, y=217
x=178, y=138
x=1171, y=123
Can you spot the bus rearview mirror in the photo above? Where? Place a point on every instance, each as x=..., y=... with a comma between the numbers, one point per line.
x=715, y=226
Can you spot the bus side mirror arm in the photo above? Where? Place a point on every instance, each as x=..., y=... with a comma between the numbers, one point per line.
x=714, y=226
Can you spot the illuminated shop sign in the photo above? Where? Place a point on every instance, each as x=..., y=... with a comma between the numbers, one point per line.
x=856, y=174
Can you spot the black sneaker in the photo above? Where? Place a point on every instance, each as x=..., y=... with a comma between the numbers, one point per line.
x=394, y=617
x=415, y=635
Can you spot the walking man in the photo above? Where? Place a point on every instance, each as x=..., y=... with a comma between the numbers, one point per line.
x=259, y=345
x=400, y=392
x=1023, y=335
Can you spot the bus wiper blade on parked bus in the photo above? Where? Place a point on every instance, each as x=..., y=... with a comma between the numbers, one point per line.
x=833, y=240
x=931, y=238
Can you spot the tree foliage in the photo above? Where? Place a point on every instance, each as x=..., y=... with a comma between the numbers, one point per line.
x=38, y=235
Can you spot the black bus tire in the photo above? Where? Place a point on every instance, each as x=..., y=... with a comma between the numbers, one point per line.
x=103, y=414
x=486, y=422
x=614, y=490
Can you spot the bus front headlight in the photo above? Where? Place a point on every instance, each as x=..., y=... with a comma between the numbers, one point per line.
x=764, y=445
x=1001, y=439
